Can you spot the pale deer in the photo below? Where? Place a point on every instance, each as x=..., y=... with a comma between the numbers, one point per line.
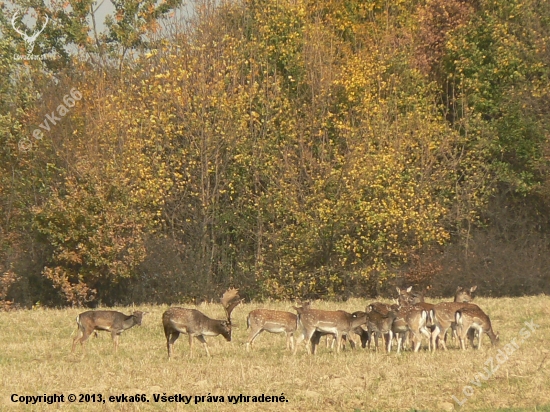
x=196, y=324
x=272, y=321
x=338, y=322
x=106, y=320
x=474, y=318
x=444, y=318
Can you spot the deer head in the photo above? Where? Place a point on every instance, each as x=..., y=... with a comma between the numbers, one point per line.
x=28, y=39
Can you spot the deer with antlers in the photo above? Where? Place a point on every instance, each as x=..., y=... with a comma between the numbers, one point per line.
x=28, y=39
x=196, y=324
x=105, y=320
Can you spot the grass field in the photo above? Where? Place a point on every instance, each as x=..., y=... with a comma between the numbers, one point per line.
x=35, y=359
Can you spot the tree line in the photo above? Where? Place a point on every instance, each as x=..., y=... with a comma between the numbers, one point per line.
x=290, y=148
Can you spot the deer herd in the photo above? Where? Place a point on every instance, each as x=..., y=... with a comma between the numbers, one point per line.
x=408, y=320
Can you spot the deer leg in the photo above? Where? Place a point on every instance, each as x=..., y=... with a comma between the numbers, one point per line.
x=201, y=339
x=308, y=334
x=338, y=339
x=418, y=343
x=399, y=337
x=376, y=337
x=114, y=336
x=290, y=340
x=480, y=333
x=251, y=337
x=171, y=338
x=435, y=334
x=79, y=336
x=442, y=336
x=389, y=338
x=424, y=331
x=471, y=335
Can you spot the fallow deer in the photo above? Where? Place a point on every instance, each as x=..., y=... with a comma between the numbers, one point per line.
x=410, y=319
x=464, y=294
x=444, y=318
x=196, y=324
x=338, y=322
x=380, y=317
x=407, y=298
x=104, y=320
x=474, y=318
x=273, y=321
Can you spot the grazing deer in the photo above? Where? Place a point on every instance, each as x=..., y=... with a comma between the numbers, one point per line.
x=362, y=333
x=474, y=318
x=196, y=324
x=108, y=320
x=272, y=321
x=444, y=318
x=338, y=322
x=463, y=295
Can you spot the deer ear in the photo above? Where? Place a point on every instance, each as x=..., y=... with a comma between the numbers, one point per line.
x=473, y=288
x=409, y=289
x=398, y=290
x=458, y=288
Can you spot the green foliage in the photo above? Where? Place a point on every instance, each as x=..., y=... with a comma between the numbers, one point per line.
x=294, y=149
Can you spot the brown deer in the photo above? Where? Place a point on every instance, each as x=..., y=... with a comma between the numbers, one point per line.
x=196, y=324
x=464, y=294
x=272, y=321
x=444, y=318
x=380, y=317
x=405, y=296
x=474, y=318
x=363, y=334
x=338, y=322
x=107, y=320
x=412, y=304
x=410, y=319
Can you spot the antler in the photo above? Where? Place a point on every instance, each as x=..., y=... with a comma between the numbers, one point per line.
x=23, y=34
x=230, y=300
x=28, y=39
x=43, y=27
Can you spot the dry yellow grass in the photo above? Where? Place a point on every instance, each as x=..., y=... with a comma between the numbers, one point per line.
x=35, y=359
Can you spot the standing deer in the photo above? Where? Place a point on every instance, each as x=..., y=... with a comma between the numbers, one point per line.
x=272, y=321
x=444, y=318
x=338, y=322
x=462, y=295
x=380, y=317
x=196, y=324
x=411, y=319
x=107, y=320
x=474, y=318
